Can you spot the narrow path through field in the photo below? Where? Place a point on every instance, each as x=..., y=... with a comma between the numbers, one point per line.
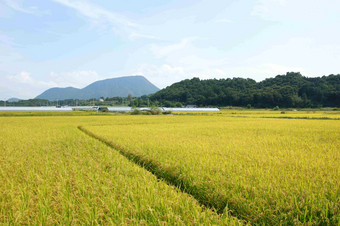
x=171, y=176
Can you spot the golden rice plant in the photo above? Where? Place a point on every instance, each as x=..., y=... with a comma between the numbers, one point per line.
x=52, y=173
x=265, y=171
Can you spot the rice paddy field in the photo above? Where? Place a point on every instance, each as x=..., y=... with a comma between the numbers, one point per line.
x=231, y=167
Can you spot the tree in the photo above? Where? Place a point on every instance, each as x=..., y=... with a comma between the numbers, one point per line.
x=130, y=99
x=290, y=90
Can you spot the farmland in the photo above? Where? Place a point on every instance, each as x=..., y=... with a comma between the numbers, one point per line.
x=230, y=167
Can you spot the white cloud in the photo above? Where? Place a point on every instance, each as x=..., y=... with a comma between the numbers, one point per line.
x=77, y=79
x=135, y=35
x=300, y=54
x=270, y=70
x=160, y=75
x=166, y=50
x=184, y=60
x=166, y=74
x=187, y=55
x=268, y=8
x=296, y=11
x=99, y=15
x=9, y=57
x=224, y=20
x=199, y=61
x=210, y=73
x=22, y=77
x=18, y=5
x=23, y=85
x=5, y=40
x=25, y=78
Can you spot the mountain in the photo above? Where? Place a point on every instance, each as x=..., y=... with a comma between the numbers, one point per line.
x=290, y=90
x=13, y=99
x=122, y=87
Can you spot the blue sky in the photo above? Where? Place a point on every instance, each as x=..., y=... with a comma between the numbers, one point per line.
x=49, y=43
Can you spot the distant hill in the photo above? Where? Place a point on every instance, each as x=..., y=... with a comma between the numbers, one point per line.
x=134, y=85
x=290, y=90
x=13, y=99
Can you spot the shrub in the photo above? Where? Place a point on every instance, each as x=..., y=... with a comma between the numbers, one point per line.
x=166, y=112
x=135, y=111
x=155, y=110
x=103, y=109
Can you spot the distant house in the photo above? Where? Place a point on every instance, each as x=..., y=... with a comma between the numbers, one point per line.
x=101, y=100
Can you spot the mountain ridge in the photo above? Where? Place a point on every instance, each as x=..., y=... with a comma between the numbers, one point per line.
x=135, y=85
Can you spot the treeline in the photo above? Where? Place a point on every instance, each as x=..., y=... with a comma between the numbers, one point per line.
x=290, y=90
x=26, y=103
x=142, y=101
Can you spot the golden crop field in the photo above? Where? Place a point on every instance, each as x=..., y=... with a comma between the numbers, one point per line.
x=171, y=169
x=289, y=114
x=52, y=173
x=306, y=114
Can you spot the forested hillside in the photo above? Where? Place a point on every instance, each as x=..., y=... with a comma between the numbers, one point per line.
x=290, y=90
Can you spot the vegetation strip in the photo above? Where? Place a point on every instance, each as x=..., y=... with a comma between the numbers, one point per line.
x=280, y=117
x=172, y=176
